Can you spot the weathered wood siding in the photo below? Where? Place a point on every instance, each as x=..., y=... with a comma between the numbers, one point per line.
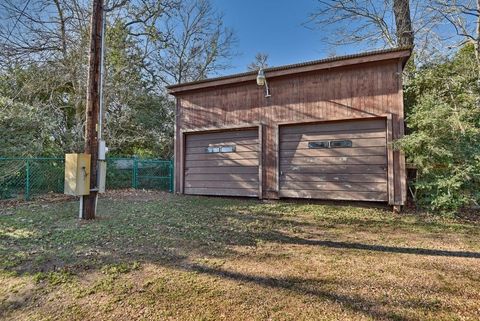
x=355, y=91
x=357, y=173
x=230, y=174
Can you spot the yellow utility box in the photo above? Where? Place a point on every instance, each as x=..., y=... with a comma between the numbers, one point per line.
x=77, y=174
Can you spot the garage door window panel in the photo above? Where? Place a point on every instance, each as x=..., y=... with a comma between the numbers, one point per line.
x=340, y=144
x=318, y=145
x=221, y=149
x=330, y=144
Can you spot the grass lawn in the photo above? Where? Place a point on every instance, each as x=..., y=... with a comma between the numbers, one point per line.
x=159, y=256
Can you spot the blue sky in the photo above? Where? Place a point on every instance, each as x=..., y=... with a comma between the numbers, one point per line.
x=274, y=27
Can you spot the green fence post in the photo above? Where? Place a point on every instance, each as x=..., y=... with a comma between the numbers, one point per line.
x=27, y=180
x=135, y=173
x=170, y=174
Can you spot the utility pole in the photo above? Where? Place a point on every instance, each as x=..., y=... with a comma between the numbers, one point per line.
x=88, y=203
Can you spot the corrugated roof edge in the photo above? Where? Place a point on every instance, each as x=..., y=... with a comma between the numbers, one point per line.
x=291, y=66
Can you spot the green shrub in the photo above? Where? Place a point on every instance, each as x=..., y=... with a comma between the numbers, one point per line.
x=444, y=139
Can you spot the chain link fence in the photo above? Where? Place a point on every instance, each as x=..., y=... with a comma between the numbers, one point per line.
x=26, y=177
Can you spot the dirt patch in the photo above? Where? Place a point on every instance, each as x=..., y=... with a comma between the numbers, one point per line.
x=6, y=205
x=135, y=194
x=120, y=194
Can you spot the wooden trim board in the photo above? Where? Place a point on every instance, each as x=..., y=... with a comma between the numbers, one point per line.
x=260, y=161
x=220, y=128
x=277, y=160
x=391, y=191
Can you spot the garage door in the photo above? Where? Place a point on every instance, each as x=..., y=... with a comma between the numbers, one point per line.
x=334, y=160
x=222, y=163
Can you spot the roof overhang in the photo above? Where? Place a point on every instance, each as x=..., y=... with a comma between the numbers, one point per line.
x=401, y=54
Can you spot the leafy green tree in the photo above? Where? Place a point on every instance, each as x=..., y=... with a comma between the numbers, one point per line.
x=26, y=130
x=444, y=143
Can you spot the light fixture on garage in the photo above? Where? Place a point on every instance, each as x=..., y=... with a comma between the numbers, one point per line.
x=262, y=81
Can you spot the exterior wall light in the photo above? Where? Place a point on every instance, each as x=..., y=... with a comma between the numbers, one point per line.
x=262, y=81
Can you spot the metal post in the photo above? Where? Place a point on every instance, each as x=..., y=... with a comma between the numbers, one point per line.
x=171, y=176
x=27, y=180
x=135, y=173
x=102, y=79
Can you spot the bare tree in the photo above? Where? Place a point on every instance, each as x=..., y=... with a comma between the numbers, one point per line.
x=150, y=43
x=260, y=62
x=200, y=44
x=380, y=24
x=463, y=16
x=432, y=26
x=354, y=21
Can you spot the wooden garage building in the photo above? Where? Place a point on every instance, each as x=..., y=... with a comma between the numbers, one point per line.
x=325, y=131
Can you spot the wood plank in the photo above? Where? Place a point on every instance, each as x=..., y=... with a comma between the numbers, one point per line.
x=356, y=143
x=217, y=163
x=223, y=141
x=176, y=148
x=182, y=162
x=402, y=172
x=357, y=126
x=235, y=134
x=269, y=161
x=220, y=156
x=334, y=152
x=260, y=162
x=222, y=177
x=327, y=160
x=335, y=195
x=333, y=131
x=391, y=188
x=222, y=184
x=351, y=178
x=239, y=148
x=222, y=170
x=277, y=158
x=334, y=169
x=222, y=192
x=334, y=186
x=210, y=125
x=332, y=135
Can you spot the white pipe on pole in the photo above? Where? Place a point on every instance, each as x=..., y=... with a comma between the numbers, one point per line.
x=102, y=76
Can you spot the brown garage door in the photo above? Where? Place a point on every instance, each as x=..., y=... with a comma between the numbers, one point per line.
x=222, y=163
x=335, y=160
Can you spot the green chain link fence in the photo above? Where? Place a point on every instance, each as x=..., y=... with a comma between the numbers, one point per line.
x=26, y=177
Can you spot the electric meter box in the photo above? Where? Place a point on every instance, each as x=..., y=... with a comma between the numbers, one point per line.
x=77, y=174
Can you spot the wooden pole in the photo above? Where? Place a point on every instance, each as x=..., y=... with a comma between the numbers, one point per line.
x=89, y=202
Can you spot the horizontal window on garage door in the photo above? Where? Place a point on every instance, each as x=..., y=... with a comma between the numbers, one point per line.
x=330, y=144
x=221, y=149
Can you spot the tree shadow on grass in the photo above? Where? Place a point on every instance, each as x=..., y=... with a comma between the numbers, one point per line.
x=284, y=239
x=304, y=286
x=155, y=231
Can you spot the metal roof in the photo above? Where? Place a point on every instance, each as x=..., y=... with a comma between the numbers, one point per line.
x=292, y=66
